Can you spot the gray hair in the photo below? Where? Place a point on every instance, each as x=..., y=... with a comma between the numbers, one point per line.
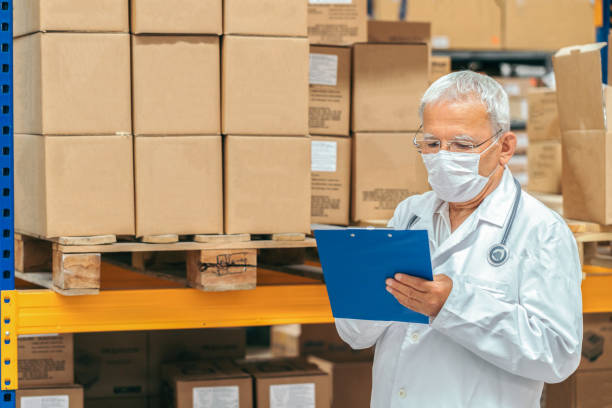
x=468, y=85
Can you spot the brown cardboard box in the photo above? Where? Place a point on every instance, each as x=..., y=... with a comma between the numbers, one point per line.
x=293, y=340
x=517, y=90
x=167, y=346
x=45, y=360
x=401, y=32
x=179, y=185
x=176, y=82
x=179, y=17
x=337, y=22
x=331, y=180
x=388, y=83
x=597, y=342
x=439, y=66
x=264, y=86
x=74, y=185
x=544, y=166
x=30, y=16
x=111, y=364
x=267, y=184
x=212, y=383
x=535, y=25
x=141, y=402
x=290, y=383
x=272, y=17
x=350, y=376
x=386, y=170
x=518, y=163
x=587, y=147
x=72, y=84
x=466, y=24
x=387, y=10
x=69, y=396
x=330, y=90
x=543, y=121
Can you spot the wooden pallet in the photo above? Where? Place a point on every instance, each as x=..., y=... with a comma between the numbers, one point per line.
x=71, y=265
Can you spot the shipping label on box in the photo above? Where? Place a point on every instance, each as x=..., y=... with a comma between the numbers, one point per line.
x=69, y=396
x=337, y=22
x=274, y=17
x=330, y=90
x=45, y=360
x=331, y=178
x=183, y=17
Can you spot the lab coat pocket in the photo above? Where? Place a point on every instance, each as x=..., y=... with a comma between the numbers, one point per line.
x=500, y=290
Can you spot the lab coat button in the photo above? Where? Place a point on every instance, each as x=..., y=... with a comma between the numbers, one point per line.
x=415, y=336
x=402, y=393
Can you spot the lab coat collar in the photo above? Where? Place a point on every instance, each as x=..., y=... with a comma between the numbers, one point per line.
x=496, y=206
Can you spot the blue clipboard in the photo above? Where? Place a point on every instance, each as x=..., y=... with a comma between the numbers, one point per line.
x=356, y=263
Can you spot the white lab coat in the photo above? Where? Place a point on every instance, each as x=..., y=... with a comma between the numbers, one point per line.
x=502, y=332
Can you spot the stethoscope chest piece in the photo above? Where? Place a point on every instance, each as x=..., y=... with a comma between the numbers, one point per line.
x=498, y=255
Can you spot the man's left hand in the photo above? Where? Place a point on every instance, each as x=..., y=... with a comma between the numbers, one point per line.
x=420, y=295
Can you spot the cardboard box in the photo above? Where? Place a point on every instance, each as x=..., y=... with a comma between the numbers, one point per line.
x=70, y=396
x=597, y=342
x=179, y=17
x=330, y=90
x=466, y=24
x=387, y=10
x=587, y=147
x=30, y=16
x=111, y=364
x=45, y=360
x=401, y=32
x=74, y=185
x=176, y=81
x=337, y=22
x=331, y=180
x=264, y=86
x=179, y=185
x=544, y=166
x=141, y=402
x=535, y=25
x=212, y=383
x=388, y=83
x=289, y=383
x=350, y=376
x=267, y=184
x=439, y=66
x=293, y=340
x=167, y=346
x=543, y=121
x=72, y=84
x=518, y=163
x=386, y=170
x=274, y=17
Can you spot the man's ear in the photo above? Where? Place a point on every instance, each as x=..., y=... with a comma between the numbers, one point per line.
x=508, y=146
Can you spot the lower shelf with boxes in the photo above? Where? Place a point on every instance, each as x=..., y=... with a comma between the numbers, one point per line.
x=208, y=368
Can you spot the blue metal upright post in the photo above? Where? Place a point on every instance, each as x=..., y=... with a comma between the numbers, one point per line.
x=7, y=263
x=602, y=32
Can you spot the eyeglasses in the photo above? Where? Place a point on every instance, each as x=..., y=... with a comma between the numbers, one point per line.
x=429, y=145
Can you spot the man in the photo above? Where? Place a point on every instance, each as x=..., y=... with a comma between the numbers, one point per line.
x=504, y=319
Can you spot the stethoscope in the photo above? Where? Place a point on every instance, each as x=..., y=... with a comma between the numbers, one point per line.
x=498, y=253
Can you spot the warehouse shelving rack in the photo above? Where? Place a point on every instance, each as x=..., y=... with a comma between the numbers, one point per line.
x=282, y=300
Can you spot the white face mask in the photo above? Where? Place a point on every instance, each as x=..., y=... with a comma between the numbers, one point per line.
x=454, y=176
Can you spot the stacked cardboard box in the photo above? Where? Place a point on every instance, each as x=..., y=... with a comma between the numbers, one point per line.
x=591, y=385
x=390, y=74
x=176, y=111
x=544, y=150
x=73, y=144
x=46, y=372
x=586, y=142
x=264, y=88
x=337, y=22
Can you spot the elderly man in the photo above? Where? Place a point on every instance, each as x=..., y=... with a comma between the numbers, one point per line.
x=505, y=305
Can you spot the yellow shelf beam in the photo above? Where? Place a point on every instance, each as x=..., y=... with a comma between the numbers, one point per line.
x=43, y=311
